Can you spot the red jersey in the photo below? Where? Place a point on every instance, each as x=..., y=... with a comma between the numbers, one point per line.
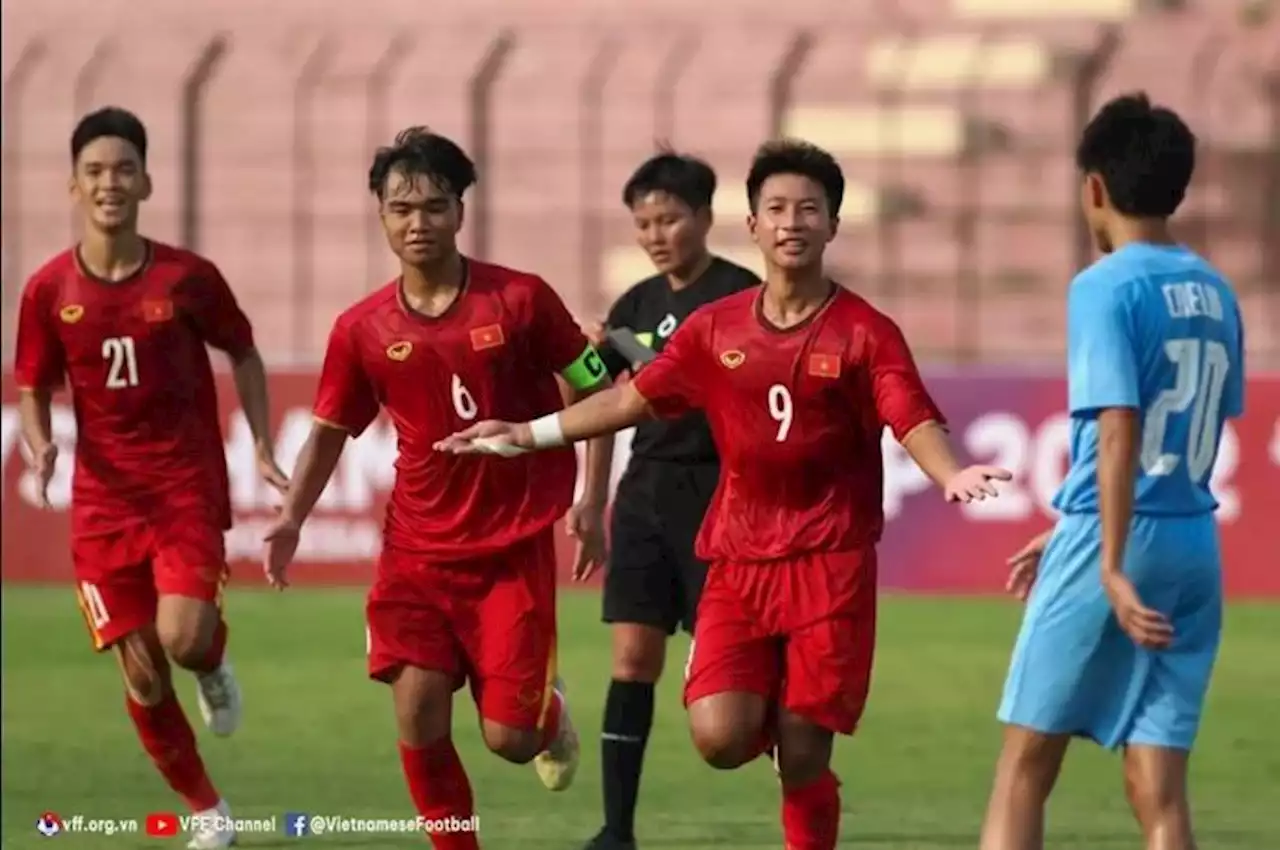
x=797, y=416
x=493, y=354
x=148, y=435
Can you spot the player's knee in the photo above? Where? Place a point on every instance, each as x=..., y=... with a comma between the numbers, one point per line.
x=517, y=746
x=185, y=628
x=722, y=744
x=804, y=751
x=143, y=665
x=639, y=653
x=424, y=705
x=1154, y=796
x=1032, y=759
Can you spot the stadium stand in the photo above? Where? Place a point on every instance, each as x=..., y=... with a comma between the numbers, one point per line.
x=954, y=118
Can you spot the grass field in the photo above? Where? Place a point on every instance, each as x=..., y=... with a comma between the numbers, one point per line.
x=319, y=738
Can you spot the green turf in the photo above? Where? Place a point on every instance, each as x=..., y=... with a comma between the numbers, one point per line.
x=318, y=737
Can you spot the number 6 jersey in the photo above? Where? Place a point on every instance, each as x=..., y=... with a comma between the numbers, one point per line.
x=797, y=416
x=133, y=352
x=494, y=354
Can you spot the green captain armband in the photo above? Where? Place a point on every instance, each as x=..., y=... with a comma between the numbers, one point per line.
x=587, y=371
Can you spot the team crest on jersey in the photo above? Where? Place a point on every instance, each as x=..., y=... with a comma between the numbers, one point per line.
x=400, y=351
x=157, y=310
x=824, y=365
x=490, y=336
x=733, y=359
x=71, y=313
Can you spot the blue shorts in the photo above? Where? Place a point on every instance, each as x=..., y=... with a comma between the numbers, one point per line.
x=1075, y=672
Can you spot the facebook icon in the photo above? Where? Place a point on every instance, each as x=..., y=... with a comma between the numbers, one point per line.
x=296, y=824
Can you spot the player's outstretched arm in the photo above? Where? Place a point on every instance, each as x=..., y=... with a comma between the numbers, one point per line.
x=316, y=462
x=251, y=387
x=606, y=412
x=929, y=447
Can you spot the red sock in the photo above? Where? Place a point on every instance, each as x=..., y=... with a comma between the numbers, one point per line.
x=217, y=649
x=167, y=737
x=811, y=814
x=551, y=720
x=439, y=787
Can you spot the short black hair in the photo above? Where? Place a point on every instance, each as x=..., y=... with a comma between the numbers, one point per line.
x=109, y=122
x=419, y=151
x=682, y=176
x=792, y=156
x=1144, y=154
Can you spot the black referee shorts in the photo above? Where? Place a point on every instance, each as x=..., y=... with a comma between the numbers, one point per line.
x=653, y=577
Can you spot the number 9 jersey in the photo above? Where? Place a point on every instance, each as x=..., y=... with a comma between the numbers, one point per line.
x=133, y=351
x=493, y=354
x=797, y=415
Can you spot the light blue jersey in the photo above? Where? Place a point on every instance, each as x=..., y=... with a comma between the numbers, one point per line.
x=1155, y=328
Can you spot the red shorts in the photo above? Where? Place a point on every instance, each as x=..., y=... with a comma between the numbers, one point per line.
x=490, y=620
x=800, y=632
x=121, y=575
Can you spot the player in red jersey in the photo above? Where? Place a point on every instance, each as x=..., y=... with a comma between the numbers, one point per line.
x=125, y=322
x=465, y=586
x=798, y=379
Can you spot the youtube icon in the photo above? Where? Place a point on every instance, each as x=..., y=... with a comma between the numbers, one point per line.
x=162, y=824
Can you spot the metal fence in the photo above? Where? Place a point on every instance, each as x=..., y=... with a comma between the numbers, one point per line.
x=1246, y=180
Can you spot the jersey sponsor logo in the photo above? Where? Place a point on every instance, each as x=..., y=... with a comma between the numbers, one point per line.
x=667, y=326
x=400, y=351
x=157, y=310
x=490, y=336
x=733, y=359
x=71, y=313
x=824, y=365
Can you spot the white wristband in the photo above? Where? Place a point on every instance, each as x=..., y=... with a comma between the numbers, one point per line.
x=546, y=432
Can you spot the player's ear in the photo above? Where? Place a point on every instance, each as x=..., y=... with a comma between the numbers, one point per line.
x=1095, y=191
x=835, y=227
x=145, y=194
x=462, y=214
x=752, y=224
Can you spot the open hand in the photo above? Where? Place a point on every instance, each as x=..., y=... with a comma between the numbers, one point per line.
x=1024, y=566
x=1148, y=628
x=271, y=471
x=973, y=483
x=489, y=437
x=281, y=545
x=585, y=524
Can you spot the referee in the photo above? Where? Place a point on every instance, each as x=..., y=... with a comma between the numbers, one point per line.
x=654, y=581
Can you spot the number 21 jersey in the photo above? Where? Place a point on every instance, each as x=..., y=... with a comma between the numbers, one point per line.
x=493, y=354
x=133, y=351
x=797, y=415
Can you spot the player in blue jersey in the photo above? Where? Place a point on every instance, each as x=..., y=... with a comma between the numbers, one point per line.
x=1125, y=594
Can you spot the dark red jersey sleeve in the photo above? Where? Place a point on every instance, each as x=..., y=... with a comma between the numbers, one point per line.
x=902, y=401
x=39, y=361
x=345, y=398
x=557, y=338
x=673, y=383
x=216, y=314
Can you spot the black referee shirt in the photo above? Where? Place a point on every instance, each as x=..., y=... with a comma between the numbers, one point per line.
x=652, y=310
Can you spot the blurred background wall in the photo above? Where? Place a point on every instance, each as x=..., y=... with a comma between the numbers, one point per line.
x=954, y=119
